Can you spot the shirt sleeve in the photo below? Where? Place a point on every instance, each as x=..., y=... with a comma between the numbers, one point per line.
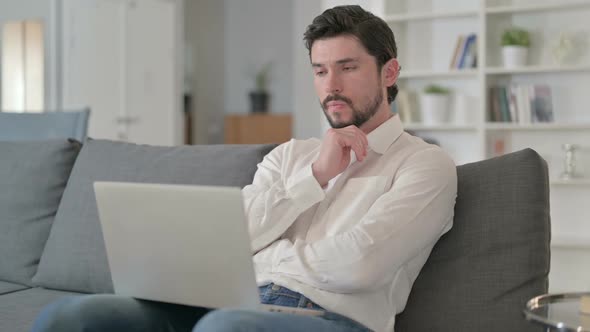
x=401, y=224
x=272, y=204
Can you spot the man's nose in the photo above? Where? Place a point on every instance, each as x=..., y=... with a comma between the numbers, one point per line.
x=333, y=84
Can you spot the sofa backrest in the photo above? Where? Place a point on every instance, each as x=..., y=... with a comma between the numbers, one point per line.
x=74, y=258
x=44, y=126
x=496, y=257
x=33, y=176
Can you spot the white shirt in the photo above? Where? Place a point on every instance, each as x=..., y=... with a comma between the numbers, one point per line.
x=355, y=247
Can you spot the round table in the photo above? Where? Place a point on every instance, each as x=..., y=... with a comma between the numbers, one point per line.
x=560, y=312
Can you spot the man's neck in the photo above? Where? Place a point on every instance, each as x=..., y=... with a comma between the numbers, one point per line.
x=383, y=114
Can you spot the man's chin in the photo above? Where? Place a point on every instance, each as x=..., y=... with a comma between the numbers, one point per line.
x=339, y=124
x=336, y=123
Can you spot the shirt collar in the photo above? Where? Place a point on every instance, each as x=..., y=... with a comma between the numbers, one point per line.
x=381, y=138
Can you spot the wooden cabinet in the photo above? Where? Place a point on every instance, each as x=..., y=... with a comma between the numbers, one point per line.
x=258, y=128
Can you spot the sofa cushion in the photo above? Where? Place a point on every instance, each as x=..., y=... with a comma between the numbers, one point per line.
x=496, y=257
x=74, y=258
x=8, y=287
x=18, y=310
x=33, y=176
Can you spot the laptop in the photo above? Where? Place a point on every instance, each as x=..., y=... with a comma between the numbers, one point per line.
x=180, y=244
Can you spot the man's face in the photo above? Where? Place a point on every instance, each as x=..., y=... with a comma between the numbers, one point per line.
x=346, y=80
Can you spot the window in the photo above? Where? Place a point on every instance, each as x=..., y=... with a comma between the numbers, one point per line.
x=23, y=66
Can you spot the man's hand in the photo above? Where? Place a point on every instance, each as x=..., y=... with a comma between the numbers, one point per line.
x=334, y=154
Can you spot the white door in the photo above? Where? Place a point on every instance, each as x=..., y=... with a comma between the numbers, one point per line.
x=152, y=87
x=119, y=59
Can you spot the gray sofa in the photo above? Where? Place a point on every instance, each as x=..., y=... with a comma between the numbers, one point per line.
x=477, y=279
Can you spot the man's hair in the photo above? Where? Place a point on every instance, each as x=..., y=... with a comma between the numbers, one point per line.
x=373, y=33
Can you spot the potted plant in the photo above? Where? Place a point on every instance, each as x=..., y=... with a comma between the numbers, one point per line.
x=434, y=104
x=260, y=97
x=515, y=44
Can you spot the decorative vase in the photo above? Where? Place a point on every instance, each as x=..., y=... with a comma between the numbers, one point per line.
x=434, y=108
x=564, y=49
x=259, y=102
x=569, y=172
x=514, y=56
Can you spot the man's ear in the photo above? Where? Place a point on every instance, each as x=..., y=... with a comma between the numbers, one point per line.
x=390, y=72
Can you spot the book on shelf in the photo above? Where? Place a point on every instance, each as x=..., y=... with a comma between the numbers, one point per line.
x=497, y=145
x=520, y=103
x=465, y=54
x=504, y=107
x=458, y=45
x=511, y=95
x=406, y=106
x=542, y=104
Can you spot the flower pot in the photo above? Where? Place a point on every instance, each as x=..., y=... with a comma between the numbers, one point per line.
x=259, y=102
x=434, y=108
x=514, y=56
x=461, y=107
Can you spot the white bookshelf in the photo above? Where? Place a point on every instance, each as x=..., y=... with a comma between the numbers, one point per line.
x=466, y=73
x=427, y=31
x=546, y=69
x=449, y=127
x=426, y=34
x=574, y=182
x=569, y=242
x=499, y=126
x=429, y=16
x=536, y=7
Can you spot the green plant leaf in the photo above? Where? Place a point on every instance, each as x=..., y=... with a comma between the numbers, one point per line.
x=436, y=89
x=515, y=37
x=262, y=77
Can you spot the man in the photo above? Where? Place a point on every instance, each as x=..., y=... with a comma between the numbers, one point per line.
x=341, y=225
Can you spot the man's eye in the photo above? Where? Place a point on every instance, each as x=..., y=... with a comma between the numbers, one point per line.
x=349, y=68
x=320, y=73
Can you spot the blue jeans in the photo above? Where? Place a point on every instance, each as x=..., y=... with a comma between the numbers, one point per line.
x=113, y=313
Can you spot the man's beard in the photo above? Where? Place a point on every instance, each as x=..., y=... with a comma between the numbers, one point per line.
x=359, y=116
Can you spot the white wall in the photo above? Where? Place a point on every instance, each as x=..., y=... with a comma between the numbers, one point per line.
x=11, y=10
x=248, y=33
x=374, y=6
x=308, y=115
x=205, y=32
x=258, y=31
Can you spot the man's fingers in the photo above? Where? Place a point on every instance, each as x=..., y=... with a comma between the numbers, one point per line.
x=359, y=149
x=359, y=134
x=363, y=137
x=354, y=138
